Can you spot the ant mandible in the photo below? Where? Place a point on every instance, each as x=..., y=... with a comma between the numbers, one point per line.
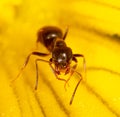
x=54, y=40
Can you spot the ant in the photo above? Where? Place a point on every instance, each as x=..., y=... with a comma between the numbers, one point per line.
x=60, y=62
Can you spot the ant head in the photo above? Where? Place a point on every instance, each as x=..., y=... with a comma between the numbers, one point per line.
x=62, y=57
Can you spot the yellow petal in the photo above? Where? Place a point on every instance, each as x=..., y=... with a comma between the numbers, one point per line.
x=93, y=31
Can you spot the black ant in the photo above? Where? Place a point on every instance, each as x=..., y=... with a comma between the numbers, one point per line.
x=53, y=39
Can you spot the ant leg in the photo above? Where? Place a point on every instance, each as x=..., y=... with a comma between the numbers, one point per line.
x=37, y=60
x=72, y=71
x=56, y=73
x=71, y=100
x=27, y=60
x=84, y=62
x=66, y=32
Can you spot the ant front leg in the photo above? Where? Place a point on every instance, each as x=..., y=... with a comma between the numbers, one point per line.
x=71, y=100
x=73, y=70
x=84, y=62
x=27, y=61
x=71, y=73
x=54, y=71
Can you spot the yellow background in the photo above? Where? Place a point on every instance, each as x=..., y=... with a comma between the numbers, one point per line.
x=94, y=28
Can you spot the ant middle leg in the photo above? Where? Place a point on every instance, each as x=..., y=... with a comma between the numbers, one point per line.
x=27, y=61
x=36, y=63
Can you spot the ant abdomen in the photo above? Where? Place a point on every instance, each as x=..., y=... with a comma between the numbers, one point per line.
x=48, y=35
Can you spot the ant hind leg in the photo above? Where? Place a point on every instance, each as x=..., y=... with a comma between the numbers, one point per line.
x=66, y=32
x=27, y=61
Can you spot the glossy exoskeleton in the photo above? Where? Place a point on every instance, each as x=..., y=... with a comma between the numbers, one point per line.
x=61, y=55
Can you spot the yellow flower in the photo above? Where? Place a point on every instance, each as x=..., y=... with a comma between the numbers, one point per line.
x=93, y=32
